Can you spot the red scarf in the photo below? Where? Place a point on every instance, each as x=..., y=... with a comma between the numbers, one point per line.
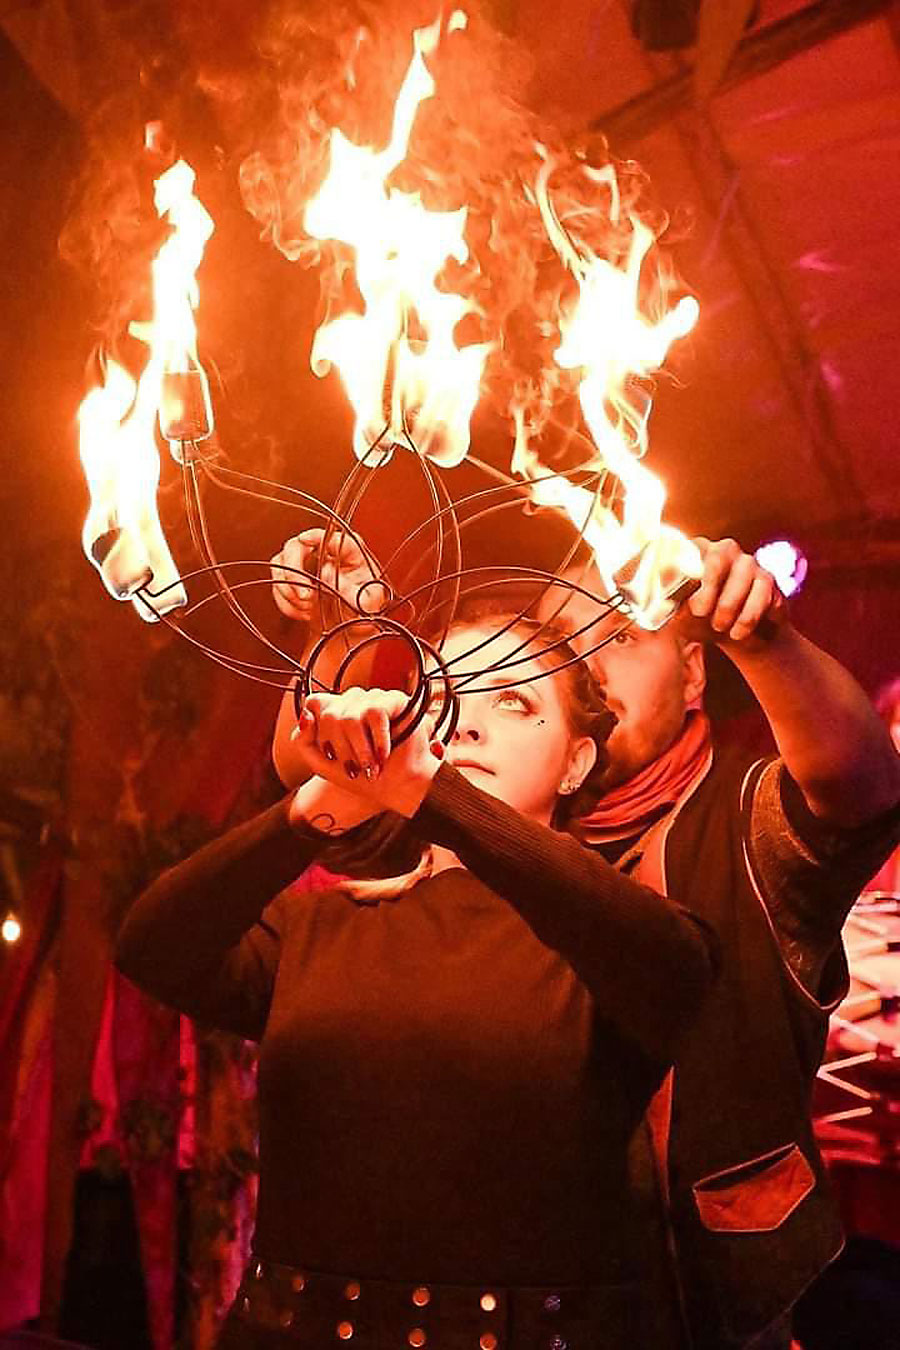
x=631, y=807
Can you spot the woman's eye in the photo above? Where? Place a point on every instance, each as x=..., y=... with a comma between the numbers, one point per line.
x=511, y=698
x=624, y=637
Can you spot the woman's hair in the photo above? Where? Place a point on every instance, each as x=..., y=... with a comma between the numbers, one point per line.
x=586, y=713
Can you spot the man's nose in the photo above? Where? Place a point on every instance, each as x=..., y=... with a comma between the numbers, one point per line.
x=597, y=667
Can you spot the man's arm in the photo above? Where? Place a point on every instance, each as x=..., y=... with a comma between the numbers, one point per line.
x=830, y=738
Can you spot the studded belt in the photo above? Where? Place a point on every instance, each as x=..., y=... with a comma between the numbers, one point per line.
x=312, y=1309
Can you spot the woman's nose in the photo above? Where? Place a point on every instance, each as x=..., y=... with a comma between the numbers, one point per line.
x=470, y=726
x=467, y=731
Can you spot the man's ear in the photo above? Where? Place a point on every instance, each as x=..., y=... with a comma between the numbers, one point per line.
x=693, y=664
x=582, y=759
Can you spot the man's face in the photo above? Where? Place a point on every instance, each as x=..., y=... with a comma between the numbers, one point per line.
x=649, y=679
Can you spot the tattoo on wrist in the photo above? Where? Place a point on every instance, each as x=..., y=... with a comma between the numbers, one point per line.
x=323, y=822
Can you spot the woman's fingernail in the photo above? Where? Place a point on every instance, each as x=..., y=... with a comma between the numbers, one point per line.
x=329, y=751
x=437, y=749
x=351, y=768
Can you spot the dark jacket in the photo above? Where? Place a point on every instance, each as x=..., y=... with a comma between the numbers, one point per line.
x=751, y=1219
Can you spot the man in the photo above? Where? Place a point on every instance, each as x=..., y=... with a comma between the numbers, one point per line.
x=772, y=854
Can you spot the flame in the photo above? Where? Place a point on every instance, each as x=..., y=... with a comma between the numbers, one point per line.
x=122, y=534
x=401, y=368
x=608, y=341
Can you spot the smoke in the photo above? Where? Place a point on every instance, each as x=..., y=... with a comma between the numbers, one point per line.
x=256, y=91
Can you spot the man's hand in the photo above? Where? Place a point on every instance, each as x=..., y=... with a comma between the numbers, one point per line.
x=343, y=568
x=737, y=600
x=832, y=741
x=347, y=739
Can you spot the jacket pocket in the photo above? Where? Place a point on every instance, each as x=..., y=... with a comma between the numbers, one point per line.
x=755, y=1196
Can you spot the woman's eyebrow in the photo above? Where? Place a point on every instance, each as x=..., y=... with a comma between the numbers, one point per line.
x=508, y=679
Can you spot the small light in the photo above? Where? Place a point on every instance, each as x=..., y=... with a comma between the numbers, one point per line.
x=11, y=928
x=786, y=563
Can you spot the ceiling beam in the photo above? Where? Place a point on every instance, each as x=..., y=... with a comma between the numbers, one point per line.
x=671, y=102
x=761, y=51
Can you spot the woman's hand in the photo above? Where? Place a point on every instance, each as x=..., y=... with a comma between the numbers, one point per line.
x=347, y=739
x=300, y=565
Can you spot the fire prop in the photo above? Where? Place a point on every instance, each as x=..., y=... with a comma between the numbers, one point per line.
x=412, y=388
x=122, y=534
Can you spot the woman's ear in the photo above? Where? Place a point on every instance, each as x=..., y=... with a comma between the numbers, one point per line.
x=582, y=758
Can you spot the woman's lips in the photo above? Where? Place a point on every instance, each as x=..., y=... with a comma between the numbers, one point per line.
x=470, y=764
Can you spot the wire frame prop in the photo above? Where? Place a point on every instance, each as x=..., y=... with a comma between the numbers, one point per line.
x=379, y=630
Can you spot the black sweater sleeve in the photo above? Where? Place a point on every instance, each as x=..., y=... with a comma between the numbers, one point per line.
x=647, y=961
x=201, y=938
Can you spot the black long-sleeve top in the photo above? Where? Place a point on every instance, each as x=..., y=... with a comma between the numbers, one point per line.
x=448, y=1081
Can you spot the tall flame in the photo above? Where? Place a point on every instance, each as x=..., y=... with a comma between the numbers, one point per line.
x=609, y=341
x=122, y=534
x=403, y=372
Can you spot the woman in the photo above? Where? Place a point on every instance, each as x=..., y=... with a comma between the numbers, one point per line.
x=449, y=1079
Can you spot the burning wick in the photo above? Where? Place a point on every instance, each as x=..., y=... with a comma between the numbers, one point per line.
x=122, y=535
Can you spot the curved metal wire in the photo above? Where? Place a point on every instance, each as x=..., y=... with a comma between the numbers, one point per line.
x=432, y=605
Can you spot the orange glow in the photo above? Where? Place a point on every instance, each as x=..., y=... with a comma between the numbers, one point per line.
x=122, y=534
x=398, y=360
x=607, y=341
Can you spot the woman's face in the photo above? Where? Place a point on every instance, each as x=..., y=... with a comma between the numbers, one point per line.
x=517, y=743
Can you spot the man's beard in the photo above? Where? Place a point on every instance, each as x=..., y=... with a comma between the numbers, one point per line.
x=619, y=768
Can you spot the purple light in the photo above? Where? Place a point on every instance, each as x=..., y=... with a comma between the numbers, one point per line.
x=786, y=563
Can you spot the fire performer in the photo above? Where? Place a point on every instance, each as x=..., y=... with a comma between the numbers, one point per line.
x=772, y=854
x=452, y=1067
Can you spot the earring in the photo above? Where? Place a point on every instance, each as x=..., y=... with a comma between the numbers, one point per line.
x=568, y=788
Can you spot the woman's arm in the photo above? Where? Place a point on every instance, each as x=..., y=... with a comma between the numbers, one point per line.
x=200, y=937
x=647, y=961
